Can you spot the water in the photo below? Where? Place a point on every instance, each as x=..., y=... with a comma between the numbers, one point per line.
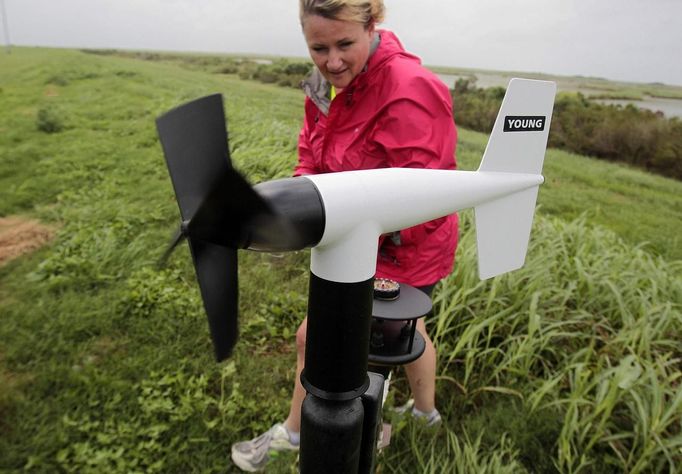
x=669, y=107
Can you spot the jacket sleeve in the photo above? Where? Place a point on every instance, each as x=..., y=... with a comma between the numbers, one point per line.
x=306, y=162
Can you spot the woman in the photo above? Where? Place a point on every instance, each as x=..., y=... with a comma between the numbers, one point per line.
x=370, y=104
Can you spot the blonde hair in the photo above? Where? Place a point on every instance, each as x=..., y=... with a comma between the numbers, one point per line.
x=365, y=12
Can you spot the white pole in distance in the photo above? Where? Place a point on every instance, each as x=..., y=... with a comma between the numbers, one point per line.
x=5, y=25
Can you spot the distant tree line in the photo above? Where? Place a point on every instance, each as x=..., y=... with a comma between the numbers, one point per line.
x=283, y=72
x=627, y=134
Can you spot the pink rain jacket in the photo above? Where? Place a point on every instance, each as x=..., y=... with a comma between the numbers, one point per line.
x=394, y=114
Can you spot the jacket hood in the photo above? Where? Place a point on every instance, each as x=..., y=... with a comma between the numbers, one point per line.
x=389, y=48
x=316, y=87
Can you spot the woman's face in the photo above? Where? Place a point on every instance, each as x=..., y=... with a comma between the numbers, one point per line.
x=339, y=49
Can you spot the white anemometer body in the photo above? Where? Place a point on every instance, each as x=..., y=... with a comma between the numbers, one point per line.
x=361, y=205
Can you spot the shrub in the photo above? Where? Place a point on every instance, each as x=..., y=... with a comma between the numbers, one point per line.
x=230, y=68
x=247, y=70
x=282, y=73
x=49, y=120
x=298, y=69
x=58, y=80
x=265, y=73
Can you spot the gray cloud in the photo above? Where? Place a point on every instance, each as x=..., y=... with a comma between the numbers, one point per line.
x=632, y=40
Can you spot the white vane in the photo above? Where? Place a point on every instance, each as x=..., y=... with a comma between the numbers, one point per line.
x=502, y=191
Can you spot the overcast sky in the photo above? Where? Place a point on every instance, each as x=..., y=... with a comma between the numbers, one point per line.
x=634, y=40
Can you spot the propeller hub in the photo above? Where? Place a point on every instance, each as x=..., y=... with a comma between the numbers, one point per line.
x=184, y=228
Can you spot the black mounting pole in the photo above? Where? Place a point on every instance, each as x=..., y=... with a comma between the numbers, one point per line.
x=335, y=376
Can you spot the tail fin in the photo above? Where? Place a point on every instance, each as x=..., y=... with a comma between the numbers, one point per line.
x=517, y=145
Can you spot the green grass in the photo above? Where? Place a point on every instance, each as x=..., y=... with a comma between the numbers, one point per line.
x=571, y=364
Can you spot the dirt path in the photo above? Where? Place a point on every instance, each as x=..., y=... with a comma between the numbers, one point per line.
x=19, y=235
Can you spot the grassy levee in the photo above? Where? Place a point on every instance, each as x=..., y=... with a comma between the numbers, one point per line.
x=571, y=364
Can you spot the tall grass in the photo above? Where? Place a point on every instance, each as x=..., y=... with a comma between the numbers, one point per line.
x=447, y=451
x=588, y=330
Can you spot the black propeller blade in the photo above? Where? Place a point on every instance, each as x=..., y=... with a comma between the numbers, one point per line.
x=216, y=269
x=215, y=204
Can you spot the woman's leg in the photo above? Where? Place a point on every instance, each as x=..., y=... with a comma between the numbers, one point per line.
x=421, y=374
x=293, y=422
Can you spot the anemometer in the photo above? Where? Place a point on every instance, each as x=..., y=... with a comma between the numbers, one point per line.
x=341, y=216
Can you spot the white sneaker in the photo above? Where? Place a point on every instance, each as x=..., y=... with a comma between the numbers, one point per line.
x=402, y=409
x=252, y=456
x=430, y=419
